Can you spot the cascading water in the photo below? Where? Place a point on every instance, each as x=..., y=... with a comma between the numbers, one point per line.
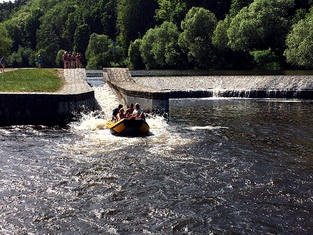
x=278, y=86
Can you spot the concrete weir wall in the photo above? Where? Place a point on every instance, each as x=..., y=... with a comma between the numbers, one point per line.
x=150, y=99
x=154, y=92
x=249, y=86
x=49, y=108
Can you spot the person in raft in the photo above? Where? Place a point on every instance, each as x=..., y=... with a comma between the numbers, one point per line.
x=115, y=112
x=2, y=61
x=130, y=110
x=138, y=112
x=121, y=114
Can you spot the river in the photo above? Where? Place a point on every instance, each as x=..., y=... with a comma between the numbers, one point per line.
x=216, y=166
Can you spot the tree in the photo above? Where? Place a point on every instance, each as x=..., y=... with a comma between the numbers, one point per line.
x=247, y=28
x=7, y=8
x=220, y=38
x=262, y=25
x=237, y=5
x=70, y=27
x=227, y=58
x=99, y=52
x=134, y=18
x=99, y=15
x=15, y=33
x=81, y=38
x=299, y=50
x=171, y=11
x=195, y=40
x=30, y=28
x=5, y=40
x=135, y=59
x=108, y=17
x=219, y=7
x=51, y=34
x=24, y=57
x=48, y=44
x=159, y=47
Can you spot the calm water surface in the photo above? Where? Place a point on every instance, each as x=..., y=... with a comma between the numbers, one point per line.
x=217, y=166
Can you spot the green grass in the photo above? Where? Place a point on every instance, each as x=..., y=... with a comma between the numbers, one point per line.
x=30, y=80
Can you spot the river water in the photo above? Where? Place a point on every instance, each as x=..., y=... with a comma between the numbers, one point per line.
x=216, y=166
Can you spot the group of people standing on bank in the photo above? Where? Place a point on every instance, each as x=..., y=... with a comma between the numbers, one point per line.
x=132, y=111
x=72, y=60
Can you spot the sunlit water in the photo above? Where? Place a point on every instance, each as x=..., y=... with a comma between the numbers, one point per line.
x=216, y=166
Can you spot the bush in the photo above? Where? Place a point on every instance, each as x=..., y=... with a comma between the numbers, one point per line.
x=24, y=57
x=266, y=59
x=58, y=59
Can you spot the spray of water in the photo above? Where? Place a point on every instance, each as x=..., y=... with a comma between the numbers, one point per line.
x=96, y=137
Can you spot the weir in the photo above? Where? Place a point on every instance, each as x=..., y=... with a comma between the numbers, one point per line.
x=154, y=92
x=150, y=99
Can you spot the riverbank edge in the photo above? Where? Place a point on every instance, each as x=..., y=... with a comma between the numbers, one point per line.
x=49, y=108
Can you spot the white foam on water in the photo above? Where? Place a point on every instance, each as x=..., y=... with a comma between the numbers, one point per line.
x=91, y=123
x=195, y=128
x=5, y=132
x=96, y=137
x=107, y=99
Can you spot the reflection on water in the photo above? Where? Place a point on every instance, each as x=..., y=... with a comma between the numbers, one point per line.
x=217, y=166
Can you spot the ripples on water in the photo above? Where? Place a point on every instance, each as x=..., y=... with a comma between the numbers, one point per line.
x=217, y=166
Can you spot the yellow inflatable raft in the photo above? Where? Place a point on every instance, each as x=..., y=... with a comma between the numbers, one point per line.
x=129, y=127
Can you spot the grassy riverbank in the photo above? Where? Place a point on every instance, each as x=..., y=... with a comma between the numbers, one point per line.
x=30, y=80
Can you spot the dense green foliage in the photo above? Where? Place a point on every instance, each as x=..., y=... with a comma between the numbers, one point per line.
x=134, y=18
x=5, y=41
x=134, y=55
x=264, y=24
x=101, y=52
x=195, y=39
x=31, y=80
x=159, y=47
x=159, y=33
x=300, y=43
